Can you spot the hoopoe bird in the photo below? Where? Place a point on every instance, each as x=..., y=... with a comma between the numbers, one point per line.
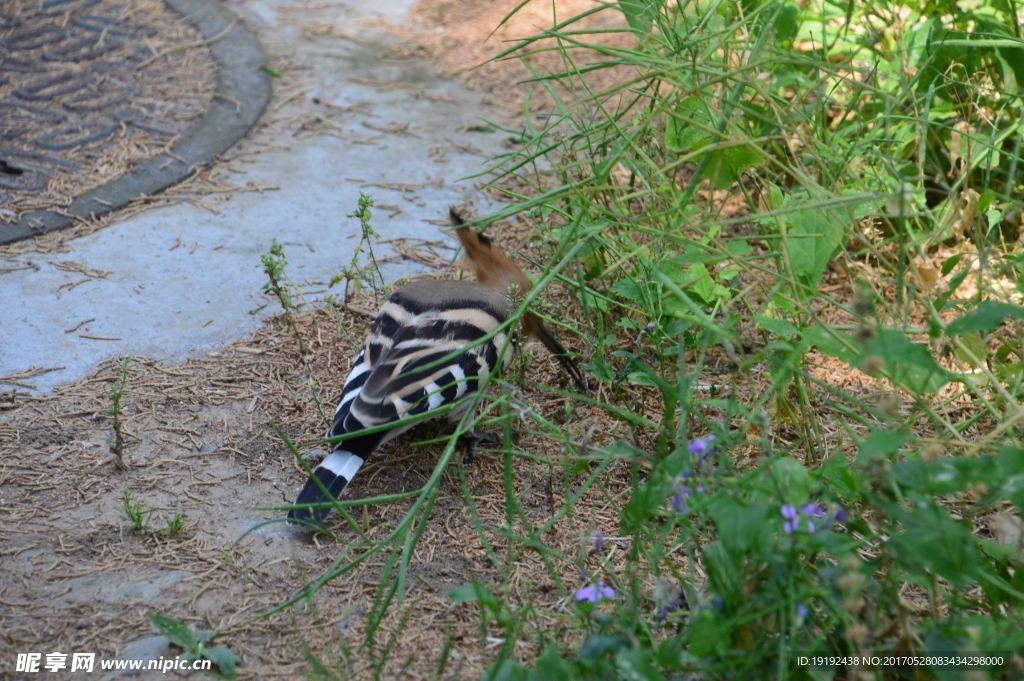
x=424, y=351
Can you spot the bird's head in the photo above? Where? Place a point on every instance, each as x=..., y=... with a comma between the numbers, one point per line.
x=497, y=272
x=489, y=263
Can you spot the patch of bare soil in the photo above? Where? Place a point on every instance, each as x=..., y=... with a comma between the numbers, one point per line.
x=463, y=36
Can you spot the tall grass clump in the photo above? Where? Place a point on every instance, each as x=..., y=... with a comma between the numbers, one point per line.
x=793, y=233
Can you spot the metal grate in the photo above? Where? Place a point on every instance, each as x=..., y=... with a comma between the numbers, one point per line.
x=82, y=97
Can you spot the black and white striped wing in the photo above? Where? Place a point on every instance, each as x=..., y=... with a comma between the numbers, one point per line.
x=423, y=352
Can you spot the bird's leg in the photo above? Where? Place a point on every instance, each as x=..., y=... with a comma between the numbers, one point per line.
x=473, y=438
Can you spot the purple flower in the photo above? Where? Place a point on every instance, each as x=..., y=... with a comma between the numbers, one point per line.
x=595, y=592
x=840, y=516
x=801, y=611
x=683, y=492
x=702, y=446
x=598, y=541
x=789, y=513
x=813, y=510
x=685, y=474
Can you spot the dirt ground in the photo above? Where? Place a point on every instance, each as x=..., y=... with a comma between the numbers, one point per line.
x=168, y=83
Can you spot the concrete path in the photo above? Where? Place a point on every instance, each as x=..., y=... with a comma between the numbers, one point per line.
x=183, y=280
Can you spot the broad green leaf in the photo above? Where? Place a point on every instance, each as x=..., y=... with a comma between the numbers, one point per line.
x=828, y=345
x=813, y=238
x=881, y=443
x=628, y=290
x=176, y=632
x=777, y=327
x=950, y=263
x=639, y=14
x=976, y=347
x=635, y=664
x=702, y=283
x=727, y=165
x=908, y=365
x=676, y=274
x=709, y=634
x=792, y=479
x=739, y=526
x=643, y=378
x=782, y=17
x=840, y=478
x=597, y=646
x=739, y=248
x=223, y=658
x=987, y=316
x=986, y=199
x=951, y=288
x=687, y=126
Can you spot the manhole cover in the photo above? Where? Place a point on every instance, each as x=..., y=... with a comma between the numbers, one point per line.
x=88, y=90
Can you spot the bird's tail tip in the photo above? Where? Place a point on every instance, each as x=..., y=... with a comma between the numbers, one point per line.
x=333, y=475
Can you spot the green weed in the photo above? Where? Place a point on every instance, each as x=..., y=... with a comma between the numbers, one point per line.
x=174, y=525
x=135, y=513
x=848, y=159
x=274, y=265
x=195, y=643
x=140, y=517
x=117, y=393
x=368, y=274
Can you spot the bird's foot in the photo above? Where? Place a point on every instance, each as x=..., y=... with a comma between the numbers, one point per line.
x=473, y=439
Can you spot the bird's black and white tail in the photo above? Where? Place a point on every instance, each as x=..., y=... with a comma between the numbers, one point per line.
x=334, y=473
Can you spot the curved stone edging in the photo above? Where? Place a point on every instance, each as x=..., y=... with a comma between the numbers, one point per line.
x=241, y=95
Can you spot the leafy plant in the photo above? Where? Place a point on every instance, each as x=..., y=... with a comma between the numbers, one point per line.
x=140, y=517
x=370, y=274
x=791, y=230
x=274, y=265
x=174, y=525
x=195, y=644
x=135, y=513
